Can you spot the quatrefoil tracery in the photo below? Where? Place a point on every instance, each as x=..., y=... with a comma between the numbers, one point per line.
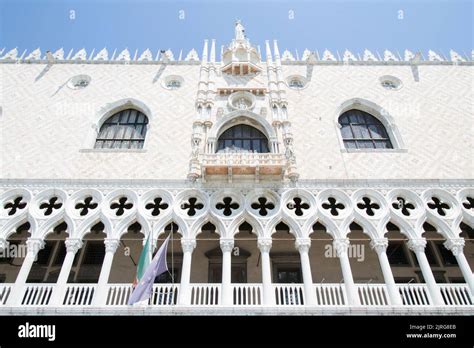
x=298, y=206
x=50, y=206
x=192, y=206
x=368, y=206
x=403, y=205
x=156, y=206
x=121, y=205
x=227, y=206
x=14, y=205
x=438, y=205
x=86, y=205
x=263, y=206
x=333, y=206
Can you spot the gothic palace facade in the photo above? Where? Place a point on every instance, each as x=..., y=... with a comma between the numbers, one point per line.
x=326, y=183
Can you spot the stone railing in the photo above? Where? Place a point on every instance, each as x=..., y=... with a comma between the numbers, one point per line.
x=243, y=159
x=251, y=295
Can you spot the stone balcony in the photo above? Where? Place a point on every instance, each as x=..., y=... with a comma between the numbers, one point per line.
x=245, y=298
x=243, y=164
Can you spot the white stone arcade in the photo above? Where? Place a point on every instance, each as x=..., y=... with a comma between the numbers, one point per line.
x=226, y=294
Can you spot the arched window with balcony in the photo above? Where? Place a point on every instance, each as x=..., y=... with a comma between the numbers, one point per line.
x=125, y=129
x=361, y=130
x=243, y=138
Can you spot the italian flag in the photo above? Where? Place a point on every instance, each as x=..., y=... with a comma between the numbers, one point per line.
x=143, y=262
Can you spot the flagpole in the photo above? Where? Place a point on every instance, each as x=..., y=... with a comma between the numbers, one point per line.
x=172, y=259
x=150, y=301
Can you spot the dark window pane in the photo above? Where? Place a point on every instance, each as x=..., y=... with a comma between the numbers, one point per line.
x=237, y=132
x=346, y=132
x=396, y=254
x=133, y=117
x=124, y=116
x=45, y=253
x=363, y=127
x=256, y=145
x=360, y=118
x=243, y=137
x=353, y=118
x=383, y=144
x=358, y=131
x=94, y=253
x=60, y=254
x=376, y=132
x=344, y=119
x=124, y=126
x=350, y=144
x=238, y=143
x=365, y=144
x=447, y=256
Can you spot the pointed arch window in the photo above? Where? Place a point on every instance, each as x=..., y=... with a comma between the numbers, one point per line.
x=243, y=138
x=361, y=130
x=123, y=130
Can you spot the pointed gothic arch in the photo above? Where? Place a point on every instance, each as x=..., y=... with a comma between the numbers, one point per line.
x=242, y=117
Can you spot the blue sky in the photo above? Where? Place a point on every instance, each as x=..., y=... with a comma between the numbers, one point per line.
x=393, y=24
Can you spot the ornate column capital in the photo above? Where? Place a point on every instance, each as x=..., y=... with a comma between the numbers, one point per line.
x=227, y=244
x=264, y=244
x=379, y=244
x=73, y=245
x=303, y=244
x=34, y=245
x=188, y=245
x=456, y=245
x=341, y=245
x=417, y=245
x=4, y=243
x=111, y=245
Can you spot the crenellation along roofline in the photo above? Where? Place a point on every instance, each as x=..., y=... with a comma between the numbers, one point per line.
x=198, y=63
x=192, y=58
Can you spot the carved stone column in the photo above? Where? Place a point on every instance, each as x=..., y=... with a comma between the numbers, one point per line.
x=264, y=245
x=380, y=246
x=111, y=246
x=456, y=246
x=72, y=247
x=34, y=245
x=418, y=247
x=341, y=246
x=303, y=245
x=226, y=246
x=188, y=246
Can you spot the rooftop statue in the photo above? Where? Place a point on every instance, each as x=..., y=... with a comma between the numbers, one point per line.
x=239, y=31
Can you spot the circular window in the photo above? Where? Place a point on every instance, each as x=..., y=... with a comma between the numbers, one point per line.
x=390, y=82
x=79, y=82
x=173, y=82
x=296, y=82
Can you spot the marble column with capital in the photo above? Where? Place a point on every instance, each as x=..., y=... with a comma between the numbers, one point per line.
x=380, y=246
x=341, y=245
x=111, y=246
x=303, y=245
x=264, y=245
x=72, y=247
x=188, y=245
x=34, y=245
x=418, y=247
x=456, y=246
x=226, y=244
